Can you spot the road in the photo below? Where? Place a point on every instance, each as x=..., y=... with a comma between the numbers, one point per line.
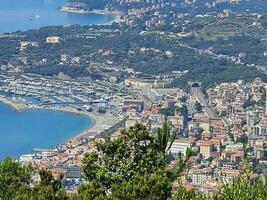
x=233, y=59
x=196, y=91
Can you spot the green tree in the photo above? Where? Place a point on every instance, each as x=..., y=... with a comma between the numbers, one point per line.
x=243, y=139
x=198, y=107
x=90, y=191
x=150, y=186
x=165, y=137
x=49, y=188
x=133, y=153
x=183, y=110
x=14, y=179
x=189, y=194
x=244, y=186
x=181, y=166
x=132, y=166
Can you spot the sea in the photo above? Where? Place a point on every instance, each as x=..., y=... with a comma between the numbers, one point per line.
x=21, y=132
x=22, y=15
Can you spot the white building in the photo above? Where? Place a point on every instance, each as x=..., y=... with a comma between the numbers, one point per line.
x=200, y=176
x=234, y=147
x=26, y=159
x=180, y=146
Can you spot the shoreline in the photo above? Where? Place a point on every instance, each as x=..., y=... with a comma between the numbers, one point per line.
x=115, y=14
x=19, y=107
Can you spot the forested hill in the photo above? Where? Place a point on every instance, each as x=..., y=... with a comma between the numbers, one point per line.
x=214, y=41
x=229, y=37
x=90, y=4
x=201, y=5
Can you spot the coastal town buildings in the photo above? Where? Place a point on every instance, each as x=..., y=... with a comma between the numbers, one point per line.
x=137, y=71
x=230, y=118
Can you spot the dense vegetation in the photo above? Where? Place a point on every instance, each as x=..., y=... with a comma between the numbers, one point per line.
x=253, y=5
x=241, y=36
x=15, y=183
x=133, y=166
x=144, y=53
x=216, y=49
x=108, y=4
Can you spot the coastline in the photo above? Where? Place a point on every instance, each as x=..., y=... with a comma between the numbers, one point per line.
x=115, y=14
x=19, y=107
x=100, y=122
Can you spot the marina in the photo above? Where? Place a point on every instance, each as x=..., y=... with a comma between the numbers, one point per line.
x=86, y=112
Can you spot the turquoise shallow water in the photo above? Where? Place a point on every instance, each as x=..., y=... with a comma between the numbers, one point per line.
x=31, y=14
x=20, y=132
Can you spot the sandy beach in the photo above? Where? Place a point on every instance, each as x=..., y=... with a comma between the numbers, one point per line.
x=97, y=119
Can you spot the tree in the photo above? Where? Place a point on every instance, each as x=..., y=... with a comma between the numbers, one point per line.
x=231, y=136
x=15, y=183
x=189, y=194
x=183, y=110
x=90, y=191
x=14, y=179
x=49, y=188
x=249, y=102
x=198, y=107
x=181, y=165
x=243, y=139
x=151, y=186
x=132, y=166
x=167, y=111
x=183, y=99
x=165, y=138
x=244, y=186
x=133, y=153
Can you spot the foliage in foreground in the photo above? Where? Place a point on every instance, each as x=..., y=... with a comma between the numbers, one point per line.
x=245, y=186
x=133, y=166
x=16, y=183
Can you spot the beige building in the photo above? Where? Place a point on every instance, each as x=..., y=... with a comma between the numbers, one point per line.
x=206, y=148
x=138, y=83
x=53, y=40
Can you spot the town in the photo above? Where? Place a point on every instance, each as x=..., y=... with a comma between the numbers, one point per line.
x=196, y=67
x=219, y=126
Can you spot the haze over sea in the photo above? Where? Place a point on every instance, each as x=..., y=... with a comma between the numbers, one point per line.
x=20, y=132
x=31, y=14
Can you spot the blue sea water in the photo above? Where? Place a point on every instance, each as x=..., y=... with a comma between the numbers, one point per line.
x=20, y=132
x=23, y=15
